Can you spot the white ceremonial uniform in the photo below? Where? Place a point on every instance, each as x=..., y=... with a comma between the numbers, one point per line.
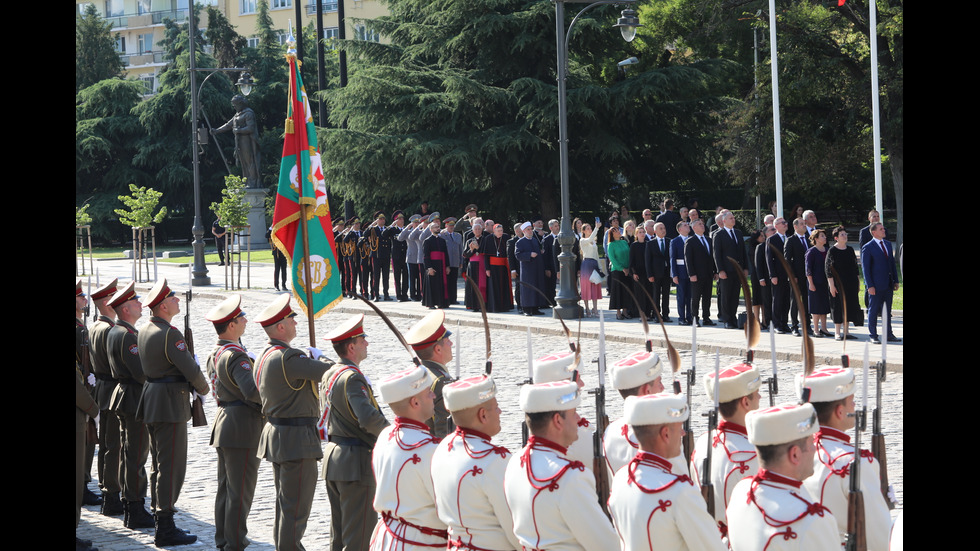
x=653, y=508
x=619, y=447
x=468, y=477
x=770, y=512
x=830, y=484
x=553, y=501
x=583, y=449
x=733, y=458
x=404, y=497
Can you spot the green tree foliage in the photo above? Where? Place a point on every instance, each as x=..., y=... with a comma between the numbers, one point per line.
x=106, y=133
x=82, y=217
x=824, y=88
x=229, y=46
x=164, y=150
x=233, y=208
x=462, y=106
x=95, y=49
x=141, y=203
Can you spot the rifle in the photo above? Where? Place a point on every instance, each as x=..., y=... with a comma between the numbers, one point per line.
x=688, y=440
x=878, y=438
x=707, y=488
x=856, y=537
x=773, y=382
x=601, y=421
x=198, y=419
x=530, y=380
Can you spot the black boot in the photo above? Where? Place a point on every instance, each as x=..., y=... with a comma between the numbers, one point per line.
x=84, y=545
x=137, y=516
x=111, y=506
x=90, y=498
x=168, y=534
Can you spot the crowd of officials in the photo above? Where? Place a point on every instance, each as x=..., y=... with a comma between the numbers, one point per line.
x=636, y=263
x=432, y=477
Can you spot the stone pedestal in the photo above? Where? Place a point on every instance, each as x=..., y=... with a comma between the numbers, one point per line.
x=256, y=218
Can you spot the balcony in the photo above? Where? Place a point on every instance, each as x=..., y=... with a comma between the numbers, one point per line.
x=327, y=7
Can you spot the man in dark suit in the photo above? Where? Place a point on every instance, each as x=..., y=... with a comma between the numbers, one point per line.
x=779, y=284
x=881, y=279
x=551, y=249
x=873, y=218
x=669, y=218
x=678, y=271
x=795, y=252
x=701, y=269
x=729, y=243
x=657, y=258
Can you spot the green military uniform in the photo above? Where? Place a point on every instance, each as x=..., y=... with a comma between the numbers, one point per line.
x=165, y=406
x=127, y=370
x=355, y=420
x=105, y=384
x=82, y=343
x=440, y=424
x=287, y=380
x=85, y=407
x=235, y=434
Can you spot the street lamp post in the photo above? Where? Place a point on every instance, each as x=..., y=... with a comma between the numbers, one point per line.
x=568, y=297
x=200, y=270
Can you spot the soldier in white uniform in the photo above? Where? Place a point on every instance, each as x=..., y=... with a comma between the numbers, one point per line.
x=562, y=367
x=638, y=374
x=402, y=461
x=832, y=395
x=552, y=498
x=772, y=510
x=733, y=457
x=468, y=470
x=649, y=502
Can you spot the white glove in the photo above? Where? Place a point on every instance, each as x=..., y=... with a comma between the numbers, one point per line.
x=202, y=397
x=91, y=379
x=314, y=352
x=251, y=355
x=197, y=361
x=891, y=494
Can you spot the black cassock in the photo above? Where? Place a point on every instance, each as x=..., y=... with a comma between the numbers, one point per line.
x=532, y=272
x=436, y=256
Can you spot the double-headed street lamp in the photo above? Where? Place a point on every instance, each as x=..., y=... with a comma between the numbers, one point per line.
x=567, y=298
x=244, y=84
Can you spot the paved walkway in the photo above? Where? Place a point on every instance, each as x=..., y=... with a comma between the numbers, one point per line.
x=509, y=355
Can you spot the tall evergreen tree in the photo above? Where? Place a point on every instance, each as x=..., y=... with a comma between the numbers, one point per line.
x=462, y=106
x=96, y=57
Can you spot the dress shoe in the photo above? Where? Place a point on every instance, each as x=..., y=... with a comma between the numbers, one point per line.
x=893, y=338
x=782, y=330
x=708, y=322
x=684, y=322
x=796, y=332
x=851, y=337
x=84, y=545
x=619, y=315
x=729, y=325
x=667, y=319
x=874, y=339
x=839, y=337
x=826, y=333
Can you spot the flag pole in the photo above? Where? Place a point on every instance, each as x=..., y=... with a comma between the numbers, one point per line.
x=303, y=204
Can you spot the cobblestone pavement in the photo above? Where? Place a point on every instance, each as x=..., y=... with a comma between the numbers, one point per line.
x=510, y=367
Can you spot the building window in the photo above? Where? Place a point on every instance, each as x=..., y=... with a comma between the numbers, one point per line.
x=363, y=33
x=277, y=4
x=253, y=42
x=113, y=8
x=145, y=43
x=247, y=6
x=331, y=32
x=142, y=7
x=328, y=6
x=149, y=82
x=121, y=44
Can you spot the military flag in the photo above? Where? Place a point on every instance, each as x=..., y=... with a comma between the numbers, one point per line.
x=301, y=226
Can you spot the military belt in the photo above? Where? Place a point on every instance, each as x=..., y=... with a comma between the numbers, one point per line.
x=293, y=421
x=173, y=379
x=348, y=441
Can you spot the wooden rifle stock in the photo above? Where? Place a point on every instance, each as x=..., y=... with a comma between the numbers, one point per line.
x=856, y=537
x=598, y=459
x=878, y=438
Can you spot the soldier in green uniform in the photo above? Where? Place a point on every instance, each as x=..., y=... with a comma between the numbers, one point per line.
x=354, y=421
x=287, y=381
x=171, y=373
x=85, y=408
x=430, y=339
x=237, y=427
x=104, y=385
x=83, y=359
x=127, y=371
